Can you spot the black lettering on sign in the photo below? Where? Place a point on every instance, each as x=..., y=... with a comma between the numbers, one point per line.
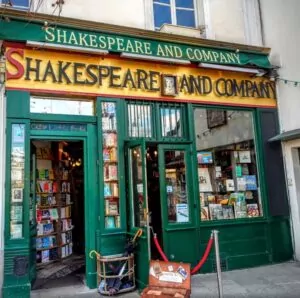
x=35, y=69
x=206, y=85
x=78, y=73
x=114, y=77
x=49, y=72
x=154, y=75
x=142, y=79
x=62, y=67
x=128, y=79
x=104, y=72
x=92, y=76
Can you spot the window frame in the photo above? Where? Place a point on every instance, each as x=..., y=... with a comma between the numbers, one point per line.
x=173, y=9
x=259, y=162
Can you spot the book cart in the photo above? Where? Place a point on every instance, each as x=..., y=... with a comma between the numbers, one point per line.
x=53, y=209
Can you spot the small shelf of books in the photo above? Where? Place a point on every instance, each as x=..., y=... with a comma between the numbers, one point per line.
x=228, y=182
x=110, y=166
x=53, y=208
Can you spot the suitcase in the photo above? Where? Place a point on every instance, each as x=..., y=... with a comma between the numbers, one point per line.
x=168, y=280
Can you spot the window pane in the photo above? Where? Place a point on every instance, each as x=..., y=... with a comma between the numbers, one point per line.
x=162, y=15
x=137, y=187
x=185, y=17
x=139, y=120
x=227, y=167
x=162, y=1
x=185, y=3
x=176, y=187
x=61, y=106
x=171, y=122
x=17, y=2
x=17, y=180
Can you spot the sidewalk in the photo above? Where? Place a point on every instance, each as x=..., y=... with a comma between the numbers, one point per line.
x=281, y=280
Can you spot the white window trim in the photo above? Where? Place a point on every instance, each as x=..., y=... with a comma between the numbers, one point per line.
x=173, y=12
x=252, y=23
x=209, y=32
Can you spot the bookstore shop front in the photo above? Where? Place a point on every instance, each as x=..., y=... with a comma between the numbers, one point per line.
x=101, y=145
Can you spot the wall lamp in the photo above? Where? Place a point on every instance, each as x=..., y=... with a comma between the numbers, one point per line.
x=153, y=58
x=257, y=72
x=2, y=70
x=65, y=47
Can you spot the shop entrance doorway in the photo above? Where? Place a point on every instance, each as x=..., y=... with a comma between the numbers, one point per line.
x=160, y=193
x=58, y=201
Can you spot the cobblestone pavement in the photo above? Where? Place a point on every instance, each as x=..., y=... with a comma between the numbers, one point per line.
x=280, y=280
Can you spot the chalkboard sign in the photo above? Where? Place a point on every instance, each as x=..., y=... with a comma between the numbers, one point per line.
x=21, y=266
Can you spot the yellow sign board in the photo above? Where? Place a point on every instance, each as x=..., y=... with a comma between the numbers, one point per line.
x=87, y=75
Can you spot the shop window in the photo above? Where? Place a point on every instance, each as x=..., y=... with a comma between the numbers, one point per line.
x=62, y=106
x=176, y=12
x=177, y=192
x=139, y=120
x=227, y=167
x=17, y=180
x=16, y=3
x=171, y=121
x=110, y=165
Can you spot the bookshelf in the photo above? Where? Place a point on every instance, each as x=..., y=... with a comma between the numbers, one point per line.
x=53, y=208
x=110, y=165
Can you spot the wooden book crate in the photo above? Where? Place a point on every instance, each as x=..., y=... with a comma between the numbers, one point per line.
x=167, y=282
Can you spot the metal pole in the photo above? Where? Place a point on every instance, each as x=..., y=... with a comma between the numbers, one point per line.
x=218, y=263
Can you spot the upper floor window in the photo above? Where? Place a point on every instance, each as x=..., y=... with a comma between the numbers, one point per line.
x=176, y=12
x=16, y=3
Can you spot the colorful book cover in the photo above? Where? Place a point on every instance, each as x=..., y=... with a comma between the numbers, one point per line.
x=241, y=184
x=45, y=256
x=252, y=210
x=110, y=139
x=250, y=182
x=204, y=213
x=215, y=211
x=110, y=222
x=107, y=190
x=205, y=157
x=113, y=172
x=54, y=213
x=228, y=212
x=106, y=155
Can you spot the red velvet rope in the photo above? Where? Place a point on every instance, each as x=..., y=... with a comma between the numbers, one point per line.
x=201, y=262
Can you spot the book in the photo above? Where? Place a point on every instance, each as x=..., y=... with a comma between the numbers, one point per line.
x=250, y=182
x=53, y=214
x=112, y=172
x=245, y=156
x=106, y=154
x=110, y=139
x=240, y=207
x=241, y=184
x=215, y=211
x=107, y=190
x=252, y=210
x=204, y=180
x=228, y=212
x=45, y=256
x=204, y=213
x=230, y=185
x=205, y=157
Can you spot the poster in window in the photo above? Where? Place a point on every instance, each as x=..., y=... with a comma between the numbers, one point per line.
x=216, y=118
x=204, y=157
x=16, y=231
x=182, y=213
x=17, y=195
x=204, y=180
x=18, y=133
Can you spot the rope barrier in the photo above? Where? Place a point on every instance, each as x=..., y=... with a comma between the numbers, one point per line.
x=201, y=262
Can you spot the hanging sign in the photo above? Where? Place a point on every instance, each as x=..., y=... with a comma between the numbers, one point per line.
x=106, y=76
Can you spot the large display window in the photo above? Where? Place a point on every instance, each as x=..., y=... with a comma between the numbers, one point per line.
x=227, y=168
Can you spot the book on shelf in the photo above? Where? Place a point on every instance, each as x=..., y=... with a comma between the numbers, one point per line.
x=110, y=139
x=250, y=182
x=107, y=190
x=230, y=185
x=117, y=221
x=111, y=207
x=215, y=211
x=240, y=207
x=204, y=180
x=227, y=212
x=204, y=213
x=45, y=256
x=245, y=156
x=241, y=184
x=44, y=186
x=252, y=210
x=53, y=213
x=112, y=172
x=106, y=154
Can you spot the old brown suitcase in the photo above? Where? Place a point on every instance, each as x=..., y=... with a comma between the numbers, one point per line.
x=168, y=280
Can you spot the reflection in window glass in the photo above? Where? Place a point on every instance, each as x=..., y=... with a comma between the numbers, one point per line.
x=61, y=106
x=139, y=120
x=176, y=186
x=171, y=122
x=17, y=180
x=137, y=187
x=227, y=169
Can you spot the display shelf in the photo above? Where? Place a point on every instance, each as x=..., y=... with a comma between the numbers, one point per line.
x=47, y=248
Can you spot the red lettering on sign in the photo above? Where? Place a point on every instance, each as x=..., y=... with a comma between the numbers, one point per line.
x=18, y=66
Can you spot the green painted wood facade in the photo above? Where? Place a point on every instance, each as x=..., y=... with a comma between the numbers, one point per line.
x=243, y=242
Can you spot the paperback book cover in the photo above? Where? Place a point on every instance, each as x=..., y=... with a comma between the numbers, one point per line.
x=215, y=211
x=204, y=180
x=241, y=184
x=252, y=210
x=230, y=185
x=204, y=213
x=228, y=212
x=245, y=156
x=250, y=182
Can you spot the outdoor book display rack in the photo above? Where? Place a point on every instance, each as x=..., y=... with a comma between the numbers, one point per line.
x=167, y=280
x=115, y=274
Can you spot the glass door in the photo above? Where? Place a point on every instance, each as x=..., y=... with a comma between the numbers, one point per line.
x=177, y=202
x=138, y=202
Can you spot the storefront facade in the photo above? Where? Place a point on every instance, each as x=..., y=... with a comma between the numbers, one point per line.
x=199, y=134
